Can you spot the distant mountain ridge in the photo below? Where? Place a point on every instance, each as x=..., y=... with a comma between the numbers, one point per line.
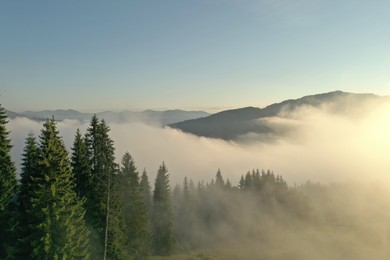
x=232, y=124
x=229, y=124
x=12, y=114
x=59, y=114
x=148, y=116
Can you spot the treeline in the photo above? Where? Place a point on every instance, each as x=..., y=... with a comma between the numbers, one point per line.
x=84, y=205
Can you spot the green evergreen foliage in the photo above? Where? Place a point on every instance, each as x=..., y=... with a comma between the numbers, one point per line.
x=7, y=167
x=30, y=171
x=116, y=226
x=102, y=192
x=8, y=189
x=95, y=199
x=134, y=210
x=162, y=219
x=81, y=166
x=57, y=228
x=146, y=192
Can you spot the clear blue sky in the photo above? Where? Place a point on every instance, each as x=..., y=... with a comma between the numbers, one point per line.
x=97, y=55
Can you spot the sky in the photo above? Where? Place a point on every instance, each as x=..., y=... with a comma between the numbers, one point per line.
x=200, y=54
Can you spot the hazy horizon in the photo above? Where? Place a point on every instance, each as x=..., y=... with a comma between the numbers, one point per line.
x=317, y=137
x=91, y=110
x=210, y=109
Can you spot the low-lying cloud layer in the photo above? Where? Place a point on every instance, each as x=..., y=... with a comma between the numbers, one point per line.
x=319, y=146
x=344, y=221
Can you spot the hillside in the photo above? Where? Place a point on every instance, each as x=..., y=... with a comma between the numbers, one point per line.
x=232, y=124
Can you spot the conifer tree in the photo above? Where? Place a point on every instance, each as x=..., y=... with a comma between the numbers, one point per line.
x=134, y=210
x=8, y=188
x=146, y=194
x=81, y=165
x=30, y=170
x=162, y=220
x=116, y=236
x=96, y=199
x=219, y=182
x=256, y=179
x=146, y=191
x=101, y=192
x=248, y=181
x=58, y=228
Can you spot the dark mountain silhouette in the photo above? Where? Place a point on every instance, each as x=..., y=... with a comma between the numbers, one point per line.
x=235, y=123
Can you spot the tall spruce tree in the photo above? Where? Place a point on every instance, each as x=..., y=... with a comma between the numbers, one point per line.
x=146, y=194
x=162, y=219
x=8, y=188
x=95, y=203
x=57, y=225
x=102, y=208
x=81, y=166
x=134, y=210
x=146, y=191
x=115, y=226
x=248, y=181
x=30, y=170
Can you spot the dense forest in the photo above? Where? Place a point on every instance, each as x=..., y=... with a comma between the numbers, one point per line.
x=82, y=204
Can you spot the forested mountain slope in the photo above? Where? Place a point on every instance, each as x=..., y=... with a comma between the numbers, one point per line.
x=233, y=124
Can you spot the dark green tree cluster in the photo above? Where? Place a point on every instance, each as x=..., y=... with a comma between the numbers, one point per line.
x=118, y=206
x=82, y=207
x=51, y=213
x=8, y=187
x=162, y=214
x=134, y=209
x=116, y=212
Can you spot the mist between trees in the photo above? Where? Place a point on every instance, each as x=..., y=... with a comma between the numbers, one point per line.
x=85, y=205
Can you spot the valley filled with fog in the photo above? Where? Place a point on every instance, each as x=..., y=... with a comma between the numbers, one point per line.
x=334, y=198
x=314, y=143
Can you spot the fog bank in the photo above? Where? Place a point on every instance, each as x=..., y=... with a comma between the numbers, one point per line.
x=346, y=220
x=318, y=145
